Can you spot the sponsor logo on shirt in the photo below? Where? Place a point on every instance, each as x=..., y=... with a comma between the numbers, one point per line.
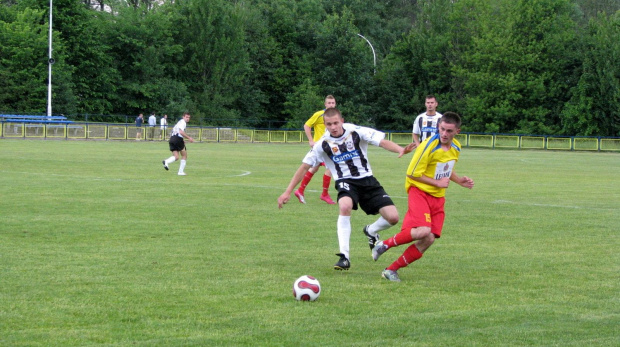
x=350, y=146
x=444, y=170
x=345, y=156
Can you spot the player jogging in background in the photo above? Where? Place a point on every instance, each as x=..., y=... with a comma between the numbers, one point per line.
x=177, y=144
x=425, y=124
x=316, y=123
x=428, y=176
x=343, y=149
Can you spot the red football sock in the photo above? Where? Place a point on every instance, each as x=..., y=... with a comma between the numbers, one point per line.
x=399, y=239
x=326, y=180
x=305, y=181
x=410, y=255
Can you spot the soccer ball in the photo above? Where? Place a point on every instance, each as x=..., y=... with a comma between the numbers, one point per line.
x=306, y=288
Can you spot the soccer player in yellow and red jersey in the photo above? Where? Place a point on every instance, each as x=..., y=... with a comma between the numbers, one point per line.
x=317, y=124
x=429, y=174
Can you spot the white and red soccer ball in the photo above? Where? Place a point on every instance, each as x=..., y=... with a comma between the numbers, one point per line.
x=306, y=288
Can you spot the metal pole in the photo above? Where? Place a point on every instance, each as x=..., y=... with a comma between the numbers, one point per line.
x=50, y=62
x=374, y=57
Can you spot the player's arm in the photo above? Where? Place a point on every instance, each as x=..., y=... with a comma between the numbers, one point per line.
x=416, y=139
x=393, y=147
x=184, y=134
x=308, y=131
x=416, y=131
x=462, y=180
x=440, y=183
x=297, y=177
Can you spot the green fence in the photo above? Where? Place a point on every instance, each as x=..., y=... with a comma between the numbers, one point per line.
x=128, y=132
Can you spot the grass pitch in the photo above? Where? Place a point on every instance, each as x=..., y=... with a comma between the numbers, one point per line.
x=100, y=246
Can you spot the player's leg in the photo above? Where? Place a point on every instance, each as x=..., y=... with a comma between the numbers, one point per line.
x=376, y=200
x=426, y=212
x=388, y=217
x=348, y=197
x=183, y=162
x=327, y=178
x=171, y=159
x=344, y=232
x=299, y=193
x=416, y=224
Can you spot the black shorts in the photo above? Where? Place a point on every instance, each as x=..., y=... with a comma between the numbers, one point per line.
x=367, y=192
x=176, y=143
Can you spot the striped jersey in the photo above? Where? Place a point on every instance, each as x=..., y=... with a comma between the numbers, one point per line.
x=181, y=125
x=432, y=161
x=347, y=155
x=425, y=125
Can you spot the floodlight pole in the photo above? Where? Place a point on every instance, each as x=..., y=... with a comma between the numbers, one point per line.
x=374, y=56
x=50, y=62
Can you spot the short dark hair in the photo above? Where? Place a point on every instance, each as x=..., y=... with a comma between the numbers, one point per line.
x=431, y=96
x=451, y=118
x=331, y=112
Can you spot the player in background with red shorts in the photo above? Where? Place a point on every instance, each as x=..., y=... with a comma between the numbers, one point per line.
x=316, y=123
x=429, y=174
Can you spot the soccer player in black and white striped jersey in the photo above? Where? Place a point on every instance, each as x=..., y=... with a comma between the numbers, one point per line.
x=344, y=150
x=425, y=124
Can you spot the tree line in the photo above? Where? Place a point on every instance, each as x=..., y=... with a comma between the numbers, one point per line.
x=507, y=66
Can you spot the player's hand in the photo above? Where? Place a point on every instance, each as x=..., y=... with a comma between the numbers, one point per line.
x=443, y=182
x=283, y=199
x=467, y=182
x=191, y=139
x=410, y=147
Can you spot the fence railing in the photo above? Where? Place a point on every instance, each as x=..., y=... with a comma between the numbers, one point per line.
x=126, y=132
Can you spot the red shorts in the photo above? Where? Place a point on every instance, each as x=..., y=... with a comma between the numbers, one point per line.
x=424, y=210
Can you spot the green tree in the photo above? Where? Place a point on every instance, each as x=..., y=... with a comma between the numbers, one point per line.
x=305, y=99
x=518, y=71
x=216, y=64
x=594, y=108
x=146, y=56
x=24, y=64
x=418, y=65
x=343, y=67
x=281, y=57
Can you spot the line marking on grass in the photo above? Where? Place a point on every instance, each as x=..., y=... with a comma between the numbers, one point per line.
x=532, y=204
x=245, y=173
x=497, y=202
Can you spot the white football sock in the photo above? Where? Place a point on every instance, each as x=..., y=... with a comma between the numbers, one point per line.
x=182, y=167
x=170, y=160
x=378, y=225
x=344, y=234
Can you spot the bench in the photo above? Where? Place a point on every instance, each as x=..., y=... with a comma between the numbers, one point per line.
x=6, y=117
x=41, y=123
x=37, y=121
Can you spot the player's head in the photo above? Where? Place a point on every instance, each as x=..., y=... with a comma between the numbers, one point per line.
x=448, y=127
x=186, y=116
x=333, y=122
x=431, y=104
x=330, y=102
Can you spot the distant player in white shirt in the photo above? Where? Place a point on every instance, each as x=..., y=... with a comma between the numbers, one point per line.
x=164, y=126
x=152, y=124
x=343, y=149
x=177, y=144
x=425, y=124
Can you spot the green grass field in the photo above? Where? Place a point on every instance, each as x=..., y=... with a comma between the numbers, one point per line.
x=100, y=246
